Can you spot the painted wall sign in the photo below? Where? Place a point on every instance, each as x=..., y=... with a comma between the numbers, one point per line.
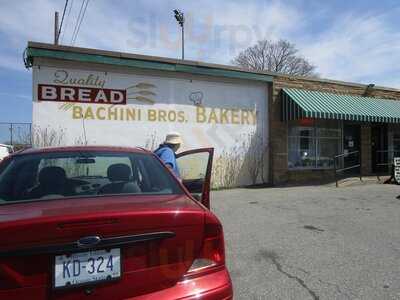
x=60, y=93
x=110, y=108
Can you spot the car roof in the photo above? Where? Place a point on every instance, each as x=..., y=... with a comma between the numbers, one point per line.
x=81, y=149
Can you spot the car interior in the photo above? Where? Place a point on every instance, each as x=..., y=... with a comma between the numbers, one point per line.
x=32, y=178
x=121, y=181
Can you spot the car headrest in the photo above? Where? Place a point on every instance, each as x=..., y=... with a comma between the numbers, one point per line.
x=52, y=175
x=118, y=172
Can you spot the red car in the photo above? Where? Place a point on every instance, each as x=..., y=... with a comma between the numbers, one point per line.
x=109, y=223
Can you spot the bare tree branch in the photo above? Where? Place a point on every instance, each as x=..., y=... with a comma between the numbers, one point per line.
x=281, y=57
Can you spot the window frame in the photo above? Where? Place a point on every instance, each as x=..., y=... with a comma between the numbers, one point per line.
x=316, y=138
x=393, y=141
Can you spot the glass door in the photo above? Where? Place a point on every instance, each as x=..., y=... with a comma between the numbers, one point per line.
x=351, y=147
x=379, y=148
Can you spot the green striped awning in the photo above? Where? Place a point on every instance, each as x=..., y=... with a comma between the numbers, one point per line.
x=298, y=104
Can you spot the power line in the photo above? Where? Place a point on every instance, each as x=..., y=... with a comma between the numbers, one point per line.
x=80, y=22
x=67, y=20
x=83, y=16
x=77, y=21
x=62, y=18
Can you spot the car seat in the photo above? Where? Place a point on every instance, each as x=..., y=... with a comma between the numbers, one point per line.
x=52, y=181
x=121, y=181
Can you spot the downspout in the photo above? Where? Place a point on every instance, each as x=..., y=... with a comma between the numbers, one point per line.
x=269, y=144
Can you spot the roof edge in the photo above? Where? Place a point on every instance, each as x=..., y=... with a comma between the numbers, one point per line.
x=287, y=90
x=265, y=76
x=340, y=93
x=334, y=81
x=141, y=61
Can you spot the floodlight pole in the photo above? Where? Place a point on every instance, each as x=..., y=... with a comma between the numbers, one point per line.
x=56, y=28
x=180, y=18
x=183, y=41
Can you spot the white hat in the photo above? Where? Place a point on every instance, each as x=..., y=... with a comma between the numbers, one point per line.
x=173, y=138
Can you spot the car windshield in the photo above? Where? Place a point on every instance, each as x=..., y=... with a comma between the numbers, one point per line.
x=83, y=174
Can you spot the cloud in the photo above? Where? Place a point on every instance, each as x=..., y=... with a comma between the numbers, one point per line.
x=357, y=48
x=229, y=27
x=20, y=22
x=11, y=62
x=213, y=34
x=17, y=96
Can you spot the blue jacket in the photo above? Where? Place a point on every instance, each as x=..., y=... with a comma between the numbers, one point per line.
x=167, y=155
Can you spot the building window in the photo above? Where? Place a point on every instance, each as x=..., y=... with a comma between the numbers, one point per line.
x=394, y=142
x=314, y=144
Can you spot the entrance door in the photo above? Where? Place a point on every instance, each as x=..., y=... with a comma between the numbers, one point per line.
x=379, y=147
x=351, y=147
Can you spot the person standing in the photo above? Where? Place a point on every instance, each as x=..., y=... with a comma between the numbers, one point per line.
x=167, y=151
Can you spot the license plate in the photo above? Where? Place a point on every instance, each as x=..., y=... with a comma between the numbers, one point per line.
x=87, y=267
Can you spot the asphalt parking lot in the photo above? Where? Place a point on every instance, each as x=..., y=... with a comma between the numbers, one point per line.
x=312, y=242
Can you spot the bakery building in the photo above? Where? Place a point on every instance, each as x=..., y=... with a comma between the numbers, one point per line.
x=320, y=119
x=265, y=127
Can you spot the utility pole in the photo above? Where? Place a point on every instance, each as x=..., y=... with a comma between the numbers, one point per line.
x=179, y=16
x=56, y=29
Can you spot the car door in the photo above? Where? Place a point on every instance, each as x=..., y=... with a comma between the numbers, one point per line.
x=195, y=169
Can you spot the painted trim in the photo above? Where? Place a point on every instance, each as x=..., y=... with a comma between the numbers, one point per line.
x=144, y=64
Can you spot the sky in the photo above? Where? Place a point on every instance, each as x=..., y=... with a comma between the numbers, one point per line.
x=357, y=41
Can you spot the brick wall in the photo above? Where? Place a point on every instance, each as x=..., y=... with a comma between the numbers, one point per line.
x=278, y=129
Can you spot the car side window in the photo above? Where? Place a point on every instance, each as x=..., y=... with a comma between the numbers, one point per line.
x=149, y=167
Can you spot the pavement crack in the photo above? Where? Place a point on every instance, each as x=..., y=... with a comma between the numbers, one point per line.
x=338, y=289
x=302, y=270
x=274, y=259
x=336, y=286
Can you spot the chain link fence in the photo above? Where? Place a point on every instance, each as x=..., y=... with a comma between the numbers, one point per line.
x=18, y=135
